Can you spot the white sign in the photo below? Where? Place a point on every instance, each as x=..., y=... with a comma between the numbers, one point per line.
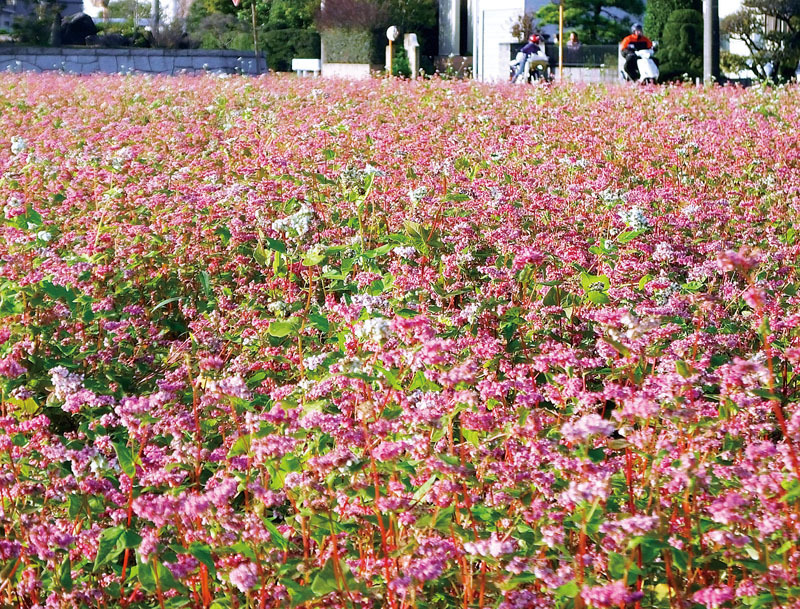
x=392, y=33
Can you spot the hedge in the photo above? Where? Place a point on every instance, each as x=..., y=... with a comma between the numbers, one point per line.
x=353, y=46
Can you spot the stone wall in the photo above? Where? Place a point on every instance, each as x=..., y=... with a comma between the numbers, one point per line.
x=80, y=60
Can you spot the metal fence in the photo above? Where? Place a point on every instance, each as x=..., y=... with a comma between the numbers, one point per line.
x=585, y=56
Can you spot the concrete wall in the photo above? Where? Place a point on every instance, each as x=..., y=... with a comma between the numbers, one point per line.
x=80, y=60
x=349, y=71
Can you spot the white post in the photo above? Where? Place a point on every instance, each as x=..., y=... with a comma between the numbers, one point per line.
x=411, y=45
x=449, y=27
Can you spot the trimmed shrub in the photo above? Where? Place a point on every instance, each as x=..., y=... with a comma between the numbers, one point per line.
x=682, y=45
x=283, y=45
x=348, y=45
x=658, y=12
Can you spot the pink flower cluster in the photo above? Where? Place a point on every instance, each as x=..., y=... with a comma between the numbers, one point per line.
x=297, y=343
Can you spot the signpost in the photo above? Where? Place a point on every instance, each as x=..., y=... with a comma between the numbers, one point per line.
x=560, y=4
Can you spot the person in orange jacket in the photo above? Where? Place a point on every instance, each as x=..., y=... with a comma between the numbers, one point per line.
x=629, y=45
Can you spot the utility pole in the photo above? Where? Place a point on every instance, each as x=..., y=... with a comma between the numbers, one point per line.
x=710, y=41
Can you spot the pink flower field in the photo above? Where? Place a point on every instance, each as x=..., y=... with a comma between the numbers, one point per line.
x=277, y=342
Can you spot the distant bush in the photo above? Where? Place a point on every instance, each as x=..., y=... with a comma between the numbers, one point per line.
x=221, y=31
x=283, y=45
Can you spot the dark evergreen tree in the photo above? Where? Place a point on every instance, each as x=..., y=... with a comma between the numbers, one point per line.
x=681, y=51
x=658, y=12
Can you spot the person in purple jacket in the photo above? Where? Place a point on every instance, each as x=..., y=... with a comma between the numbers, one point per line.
x=531, y=48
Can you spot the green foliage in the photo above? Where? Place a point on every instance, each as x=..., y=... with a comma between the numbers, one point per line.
x=590, y=19
x=222, y=31
x=400, y=63
x=290, y=14
x=31, y=30
x=658, y=12
x=348, y=46
x=282, y=45
x=681, y=49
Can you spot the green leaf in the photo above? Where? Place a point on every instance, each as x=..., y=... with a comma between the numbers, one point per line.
x=125, y=458
x=616, y=565
x=275, y=535
x=388, y=375
x=552, y=298
x=130, y=539
x=297, y=593
x=597, y=455
x=599, y=297
x=630, y=235
x=423, y=490
x=275, y=245
x=205, y=282
x=568, y=590
x=324, y=180
x=766, y=394
x=224, y=234
x=145, y=575
x=594, y=283
x=680, y=559
x=313, y=258
x=202, y=552
x=319, y=321
x=108, y=548
x=279, y=329
x=260, y=255
x=241, y=446
x=65, y=574
x=684, y=369
x=164, y=303
x=325, y=580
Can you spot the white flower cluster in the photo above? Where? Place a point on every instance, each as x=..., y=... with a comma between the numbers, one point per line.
x=634, y=218
x=405, y=251
x=297, y=224
x=370, y=303
x=663, y=252
x=278, y=308
x=417, y=194
x=369, y=170
x=65, y=383
x=634, y=327
x=690, y=210
x=313, y=362
x=18, y=145
x=376, y=329
x=611, y=195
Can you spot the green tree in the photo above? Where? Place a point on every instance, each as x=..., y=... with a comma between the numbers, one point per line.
x=658, y=12
x=132, y=10
x=592, y=19
x=771, y=31
x=681, y=49
x=290, y=14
